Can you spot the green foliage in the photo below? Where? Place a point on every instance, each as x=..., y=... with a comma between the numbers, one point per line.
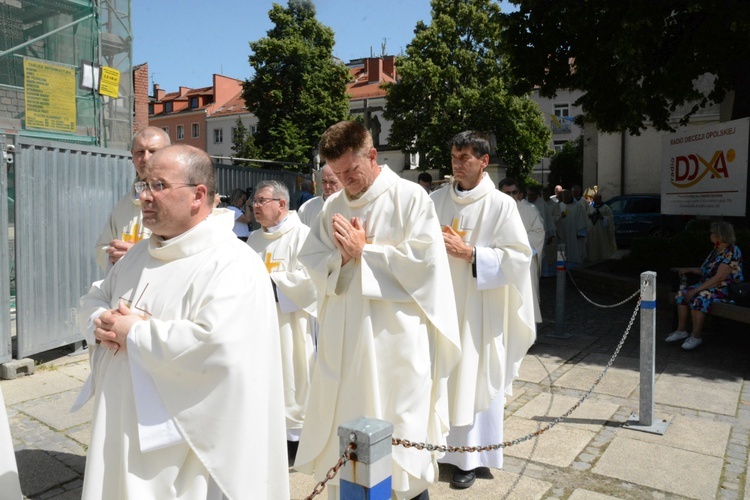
x=637, y=62
x=298, y=89
x=566, y=167
x=243, y=143
x=453, y=79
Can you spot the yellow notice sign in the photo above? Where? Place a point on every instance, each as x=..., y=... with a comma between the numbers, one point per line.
x=109, y=84
x=50, y=92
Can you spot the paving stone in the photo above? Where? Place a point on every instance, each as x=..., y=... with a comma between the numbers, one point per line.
x=559, y=446
x=588, y=495
x=686, y=386
x=689, y=474
x=700, y=436
x=54, y=410
x=42, y=383
x=591, y=415
x=40, y=472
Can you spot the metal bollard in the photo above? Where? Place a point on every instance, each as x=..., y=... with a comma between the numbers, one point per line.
x=560, y=296
x=644, y=421
x=367, y=475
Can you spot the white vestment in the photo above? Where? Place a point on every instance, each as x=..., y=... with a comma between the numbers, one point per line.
x=279, y=249
x=389, y=336
x=495, y=315
x=600, y=244
x=125, y=223
x=193, y=409
x=535, y=231
x=310, y=210
x=10, y=487
x=549, y=257
x=573, y=221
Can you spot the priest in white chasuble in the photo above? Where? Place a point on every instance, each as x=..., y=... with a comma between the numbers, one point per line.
x=532, y=221
x=310, y=210
x=389, y=337
x=489, y=257
x=278, y=243
x=184, y=352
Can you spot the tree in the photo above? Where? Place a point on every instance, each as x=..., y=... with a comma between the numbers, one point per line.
x=298, y=89
x=637, y=62
x=566, y=166
x=453, y=79
x=243, y=143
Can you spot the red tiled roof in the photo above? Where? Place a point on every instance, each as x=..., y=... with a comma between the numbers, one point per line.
x=234, y=106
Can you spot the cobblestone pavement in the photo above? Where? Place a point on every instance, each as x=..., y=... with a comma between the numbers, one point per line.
x=701, y=399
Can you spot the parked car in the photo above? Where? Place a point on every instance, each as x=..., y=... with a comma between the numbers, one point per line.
x=638, y=215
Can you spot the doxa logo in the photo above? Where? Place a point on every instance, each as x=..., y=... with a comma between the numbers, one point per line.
x=687, y=171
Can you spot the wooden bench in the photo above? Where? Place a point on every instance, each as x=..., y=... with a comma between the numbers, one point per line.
x=732, y=312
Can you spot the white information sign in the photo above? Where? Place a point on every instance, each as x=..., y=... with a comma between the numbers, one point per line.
x=704, y=170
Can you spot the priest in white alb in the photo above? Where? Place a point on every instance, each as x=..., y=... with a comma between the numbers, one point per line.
x=309, y=210
x=489, y=257
x=574, y=229
x=125, y=228
x=532, y=221
x=389, y=337
x=278, y=243
x=184, y=352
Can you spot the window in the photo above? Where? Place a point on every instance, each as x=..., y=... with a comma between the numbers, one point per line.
x=196, y=129
x=561, y=120
x=180, y=132
x=253, y=130
x=193, y=102
x=218, y=135
x=558, y=146
x=168, y=107
x=165, y=129
x=151, y=109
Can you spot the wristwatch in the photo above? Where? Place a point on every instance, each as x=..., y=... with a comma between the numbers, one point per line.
x=473, y=255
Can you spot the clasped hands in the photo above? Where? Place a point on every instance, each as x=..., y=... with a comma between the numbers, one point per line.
x=349, y=237
x=113, y=325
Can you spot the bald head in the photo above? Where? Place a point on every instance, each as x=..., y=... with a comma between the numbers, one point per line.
x=145, y=143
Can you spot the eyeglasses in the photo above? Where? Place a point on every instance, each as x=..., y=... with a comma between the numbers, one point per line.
x=263, y=201
x=157, y=187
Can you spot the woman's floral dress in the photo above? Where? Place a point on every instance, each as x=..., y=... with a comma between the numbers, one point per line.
x=731, y=256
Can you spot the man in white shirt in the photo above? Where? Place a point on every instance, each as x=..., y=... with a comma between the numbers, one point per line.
x=489, y=257
x=188, y=399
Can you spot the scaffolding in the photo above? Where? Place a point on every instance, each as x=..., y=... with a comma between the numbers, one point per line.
x=65, y=36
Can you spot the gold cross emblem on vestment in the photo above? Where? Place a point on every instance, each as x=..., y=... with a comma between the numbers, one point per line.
x=457, y=230
x=270, y=266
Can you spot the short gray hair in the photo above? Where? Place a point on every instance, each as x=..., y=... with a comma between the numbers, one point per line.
x=278, y=189
x=725, y=231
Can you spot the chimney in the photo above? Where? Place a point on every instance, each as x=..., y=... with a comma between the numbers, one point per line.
x=389, y=66
x=159, y=93
x=184, y=90
x=374, y=67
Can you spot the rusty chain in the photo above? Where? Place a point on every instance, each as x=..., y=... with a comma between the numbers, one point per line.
x=332, y=472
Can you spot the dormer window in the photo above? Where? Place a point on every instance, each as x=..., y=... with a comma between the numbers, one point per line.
x=168, y=107
x=193, y=102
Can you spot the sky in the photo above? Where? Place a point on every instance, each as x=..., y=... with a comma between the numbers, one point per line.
x=185, y=42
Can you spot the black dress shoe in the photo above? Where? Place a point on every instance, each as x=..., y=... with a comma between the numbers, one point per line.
x=422, y=496
x=291, y=451
x=462, y=479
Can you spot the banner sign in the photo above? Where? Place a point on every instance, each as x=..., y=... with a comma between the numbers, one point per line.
x=704, y=170
x=50, y=95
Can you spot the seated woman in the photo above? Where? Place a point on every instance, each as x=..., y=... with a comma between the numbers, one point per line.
x=722, y=266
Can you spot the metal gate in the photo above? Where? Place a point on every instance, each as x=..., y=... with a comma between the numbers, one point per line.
x=64, y=194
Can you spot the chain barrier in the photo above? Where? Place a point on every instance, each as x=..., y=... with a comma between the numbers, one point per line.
x=601, y=305
x=332, y=472
x=470, y=449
